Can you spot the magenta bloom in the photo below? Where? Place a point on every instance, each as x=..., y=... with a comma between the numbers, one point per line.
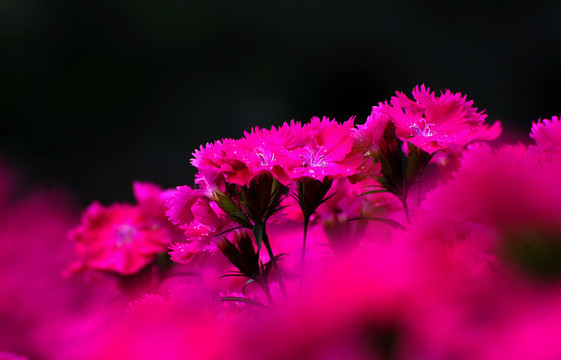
x=239, y=161
x=117, y=239
x=123, y=238
x=326, y=150
x=497, y=202
x=180, y=203
x=182, y=252
x=10, y=356
x=263, y=150
x=369, y=134
x=212, y=162
x=199, y=218
x=547, y=135
x=315, y=150
x=433, y=122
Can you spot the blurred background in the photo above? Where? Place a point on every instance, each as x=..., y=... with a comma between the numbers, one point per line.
x=99, y=93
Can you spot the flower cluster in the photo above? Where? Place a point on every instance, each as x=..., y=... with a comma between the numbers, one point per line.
x=323, y=240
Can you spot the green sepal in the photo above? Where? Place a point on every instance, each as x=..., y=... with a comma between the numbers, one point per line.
x=416, y=162
x=231, y=208
x=258, y=231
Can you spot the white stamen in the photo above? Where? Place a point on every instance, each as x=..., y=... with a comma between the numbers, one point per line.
x=266, y=156
x=313, y=158
x=426, y=131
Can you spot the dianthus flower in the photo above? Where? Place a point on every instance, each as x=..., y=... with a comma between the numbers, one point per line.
x=318, y=149
x=199, y=218
x=369, y=134
x=367, y=142
x=263, y=150
x=433, y=122
x=325, y=150
x=547, y=135
x=123, y=238
x=213, y=165
x=505, y=204
x=239, y=161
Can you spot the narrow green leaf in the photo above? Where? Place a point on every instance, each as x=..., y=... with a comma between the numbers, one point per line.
x=241, y=299
x=258, y=230
x=374, y=192
x=246, y=284
x=227, y=231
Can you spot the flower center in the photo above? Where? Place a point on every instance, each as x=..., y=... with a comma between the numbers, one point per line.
x=314, y=157
x=267, y=157
x=426, y=131
x=125, y=234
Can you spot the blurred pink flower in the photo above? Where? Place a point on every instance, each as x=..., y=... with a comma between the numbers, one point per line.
x=367, y=306
x=123, y=238
x=151, y=200
x=497, y=202
x=37, y=305
x=433, y=122
x=11, y=356
x=181, y=325
x=183, y=252
x=547, y=135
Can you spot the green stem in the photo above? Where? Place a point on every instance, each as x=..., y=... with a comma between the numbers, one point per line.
x=267, y=290
x=302, y=264
x=274, y=263
x=419, y=190
x=405, y=208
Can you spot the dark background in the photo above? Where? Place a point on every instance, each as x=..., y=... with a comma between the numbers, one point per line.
x=100, y=93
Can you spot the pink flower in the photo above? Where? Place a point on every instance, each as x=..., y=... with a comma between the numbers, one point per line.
x=547, y=135
x=117, y=239
x=318, y=149
x=183, y=252
x=326, y=150
x=433, y=122
x=367, y=141
x=123, y=238
x=239, y=161
x=151, y=199
x=181, y=325
x=199, y=218
x=10, y=356
x=263, y=150
x=211, y=162
x=371, y=132
x=361, y=307
x=497, y=202
x=180, y=203
x=36, y=303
